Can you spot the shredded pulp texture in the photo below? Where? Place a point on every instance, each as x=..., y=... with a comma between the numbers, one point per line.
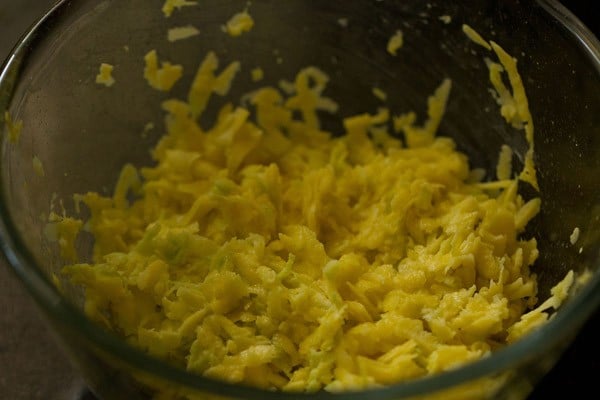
x=266, y=251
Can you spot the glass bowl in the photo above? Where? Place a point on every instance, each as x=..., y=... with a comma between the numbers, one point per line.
x=82, y=135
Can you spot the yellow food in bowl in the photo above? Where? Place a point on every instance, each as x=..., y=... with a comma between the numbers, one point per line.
x=170, y=5
x=104, y=76
x=182, y=32
x=13, y=128
x=395, y=43
x=269, y=252
x=238, y=24
x=161, y=78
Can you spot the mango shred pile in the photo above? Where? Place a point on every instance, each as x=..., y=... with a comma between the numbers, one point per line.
x=269, y=252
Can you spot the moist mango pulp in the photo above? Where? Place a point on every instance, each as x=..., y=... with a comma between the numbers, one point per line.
x=269, y=252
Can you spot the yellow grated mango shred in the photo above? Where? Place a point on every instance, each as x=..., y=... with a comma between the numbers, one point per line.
x=266, y=251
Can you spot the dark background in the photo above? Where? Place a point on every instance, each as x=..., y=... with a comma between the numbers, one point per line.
x=33, y=368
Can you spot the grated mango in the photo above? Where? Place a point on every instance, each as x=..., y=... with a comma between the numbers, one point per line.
x=395, y=42
x=238, y=24
x=162, y=78
x=268, y=252
x=104, y=76
x=182, y=32
x=13, y=127
x=170, y=5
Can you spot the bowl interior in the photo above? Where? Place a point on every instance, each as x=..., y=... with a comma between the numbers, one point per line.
x=84, y=133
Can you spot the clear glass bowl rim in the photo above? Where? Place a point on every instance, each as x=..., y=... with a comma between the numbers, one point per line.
x=559, y=329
